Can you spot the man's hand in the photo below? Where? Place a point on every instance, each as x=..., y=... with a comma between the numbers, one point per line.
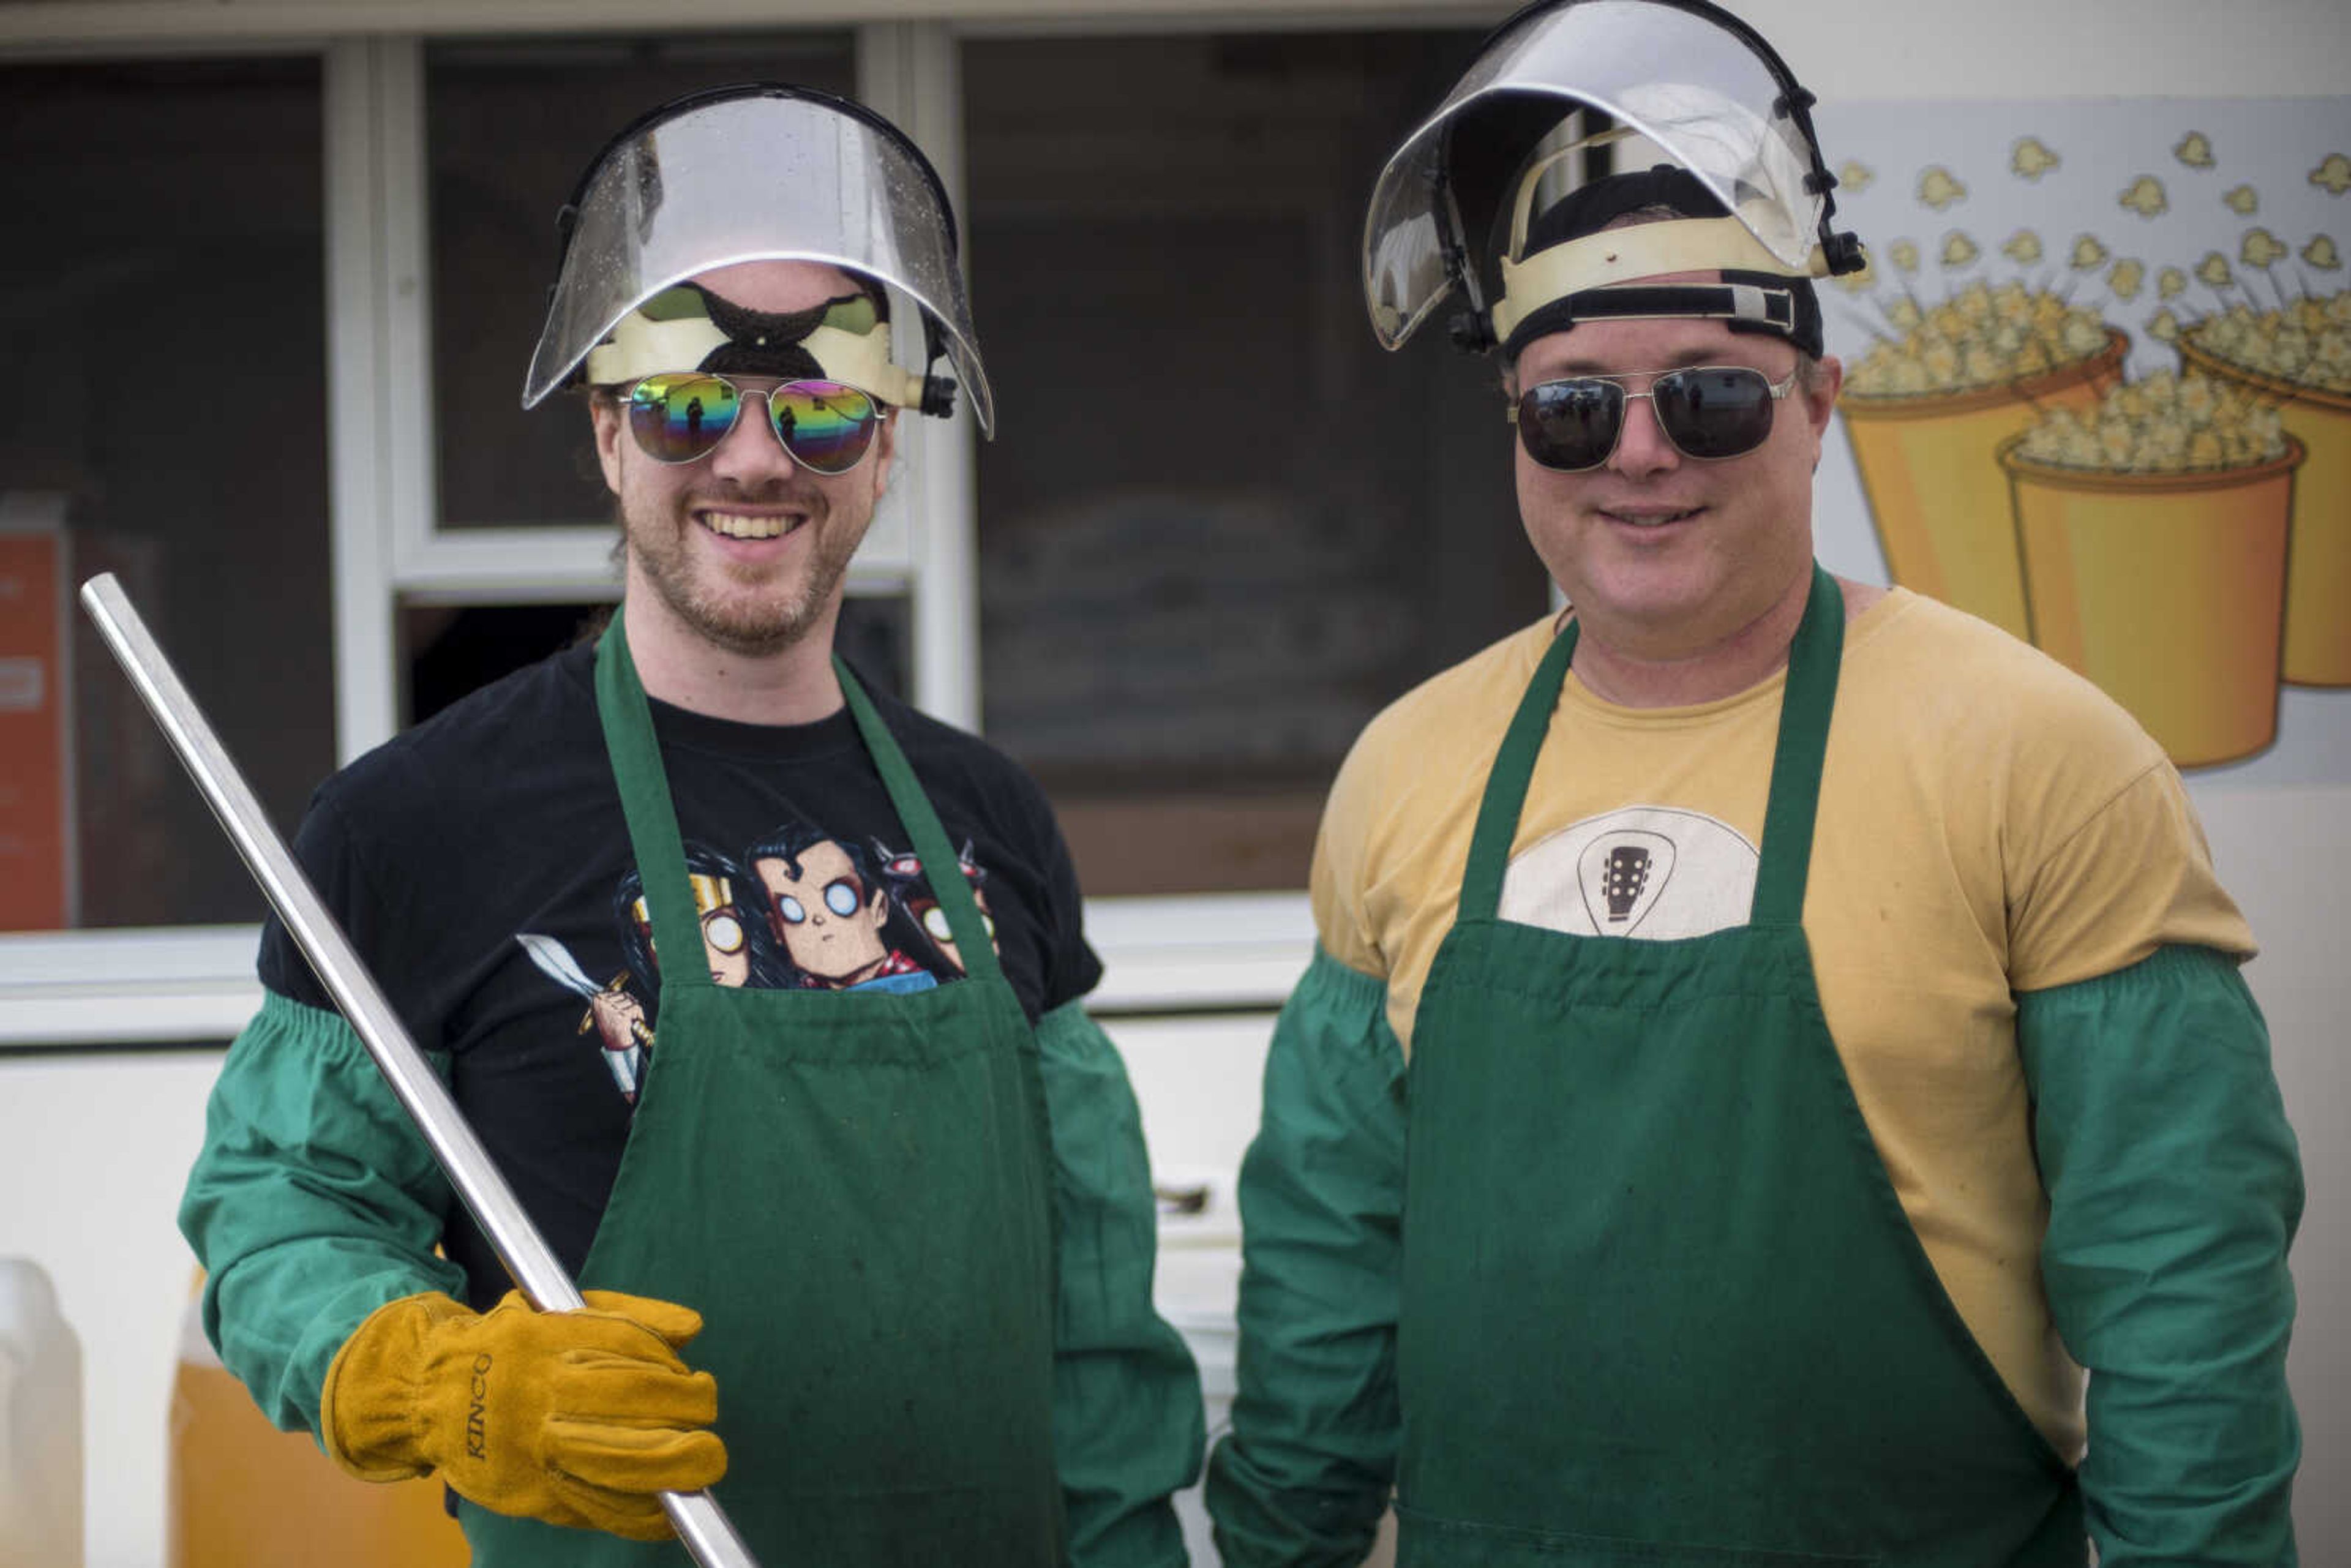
x=619, y=1019
x=576, y=1418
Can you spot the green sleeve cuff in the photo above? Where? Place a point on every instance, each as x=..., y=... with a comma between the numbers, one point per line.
x=2175, y=1188
x=1128, y=1426
x=1305, y=1475
x=313, y=1201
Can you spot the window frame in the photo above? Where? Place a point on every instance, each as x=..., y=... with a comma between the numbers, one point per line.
x=191, y=983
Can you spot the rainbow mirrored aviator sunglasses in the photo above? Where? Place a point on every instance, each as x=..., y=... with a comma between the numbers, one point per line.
x=1706, y=410
x=680, y=416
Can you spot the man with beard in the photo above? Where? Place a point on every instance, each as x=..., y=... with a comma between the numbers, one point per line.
x=882, y=1257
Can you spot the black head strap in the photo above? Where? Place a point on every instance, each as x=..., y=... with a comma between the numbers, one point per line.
x=1591, y=207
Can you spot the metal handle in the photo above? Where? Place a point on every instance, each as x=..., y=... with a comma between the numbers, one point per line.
x=700, y=1523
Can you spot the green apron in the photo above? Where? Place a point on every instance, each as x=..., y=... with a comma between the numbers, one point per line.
x=853, y=1190
x=1660, y=1303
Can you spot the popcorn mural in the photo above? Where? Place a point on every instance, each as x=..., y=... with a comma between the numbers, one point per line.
x=2098, y=392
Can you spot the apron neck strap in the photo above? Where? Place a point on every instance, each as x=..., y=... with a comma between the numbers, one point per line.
x=1506, y=783
x=1809, y=697
x=635, y=755
x=941, y=867
x=1805, y=705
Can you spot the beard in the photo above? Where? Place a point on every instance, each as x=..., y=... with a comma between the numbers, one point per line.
x=752, y=612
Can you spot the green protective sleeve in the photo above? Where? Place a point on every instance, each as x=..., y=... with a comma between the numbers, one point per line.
x=2174, y=1190
x=1128, y=1424
x=1304, y=1475
x=313, y=1202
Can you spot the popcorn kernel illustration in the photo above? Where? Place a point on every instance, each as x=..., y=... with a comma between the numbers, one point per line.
x=2242, y=201
x=2163, y=424
x=1854, y=175
x=2214, y=270
x=2127, y=278
x=1938, y=189
x=2320, y=252
x=2195, y=150
x=2030, y=158
x=2262, y=249
x=2170, y=283
x=2089, y=254
x=2164, y=327
x=1905, y=253
x=2306, y=342
x=1979, y=337
x=1958, y=249
x=2023, y=248
x=2144, y=196
x=2333, y=174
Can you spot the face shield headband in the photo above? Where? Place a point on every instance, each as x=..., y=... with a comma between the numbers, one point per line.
x=1563, y=271
x=1689, y=79
x=689, y=328
x=762, y=171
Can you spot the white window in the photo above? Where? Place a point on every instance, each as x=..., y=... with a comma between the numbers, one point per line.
x=163, y=320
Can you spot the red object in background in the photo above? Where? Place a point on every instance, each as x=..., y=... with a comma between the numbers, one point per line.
x=33, y=875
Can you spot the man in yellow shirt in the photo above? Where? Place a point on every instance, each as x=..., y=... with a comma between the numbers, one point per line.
x=1812, y=1014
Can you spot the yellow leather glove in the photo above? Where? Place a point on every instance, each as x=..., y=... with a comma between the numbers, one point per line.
x=576, y=1418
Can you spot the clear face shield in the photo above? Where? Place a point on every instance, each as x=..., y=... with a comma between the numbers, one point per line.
x=761, y=174
x=1685, y=77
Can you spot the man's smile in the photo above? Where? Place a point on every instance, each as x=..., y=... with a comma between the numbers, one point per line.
x=1648, y=517
x=751, y=525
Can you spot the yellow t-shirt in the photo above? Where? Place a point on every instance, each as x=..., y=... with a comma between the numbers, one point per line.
x=1988, y=823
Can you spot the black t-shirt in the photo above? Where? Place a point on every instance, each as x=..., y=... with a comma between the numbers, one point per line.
x=481, y=865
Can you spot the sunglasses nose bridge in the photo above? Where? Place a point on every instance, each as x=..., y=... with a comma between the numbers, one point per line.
x=769, y=441
x=1643, y=439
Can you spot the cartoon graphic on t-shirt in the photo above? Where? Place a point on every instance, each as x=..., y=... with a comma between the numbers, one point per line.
x=736, y=947
x=616, y=1016
x=801, y=909
x=903, y=875
x=732, y=944
x=829, y=910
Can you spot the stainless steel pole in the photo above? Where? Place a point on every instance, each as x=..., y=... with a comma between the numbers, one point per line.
x=701, y=1524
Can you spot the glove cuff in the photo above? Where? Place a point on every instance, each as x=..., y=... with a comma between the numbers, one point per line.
x=368, y=1409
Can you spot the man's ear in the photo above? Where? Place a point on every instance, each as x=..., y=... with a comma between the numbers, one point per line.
x=604, y=413
x=888, y=440
x=1820, y=390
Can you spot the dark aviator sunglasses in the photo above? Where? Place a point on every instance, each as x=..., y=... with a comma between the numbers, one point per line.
x=1707, y=412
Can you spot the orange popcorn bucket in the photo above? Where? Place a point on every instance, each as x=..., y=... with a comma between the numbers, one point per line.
x=2318, y=552
x=2167, y=589
x=1936, y=492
